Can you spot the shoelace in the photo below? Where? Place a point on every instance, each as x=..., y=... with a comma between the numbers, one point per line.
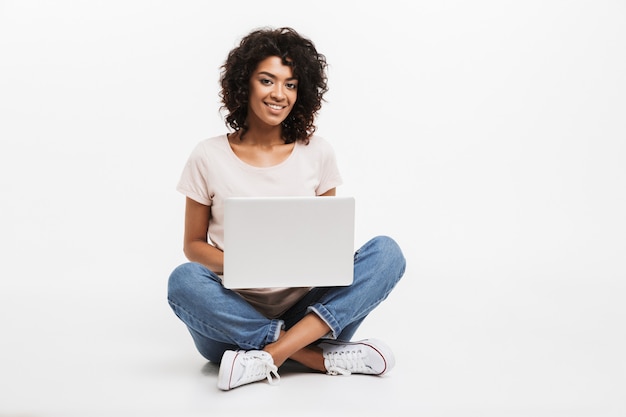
x=257, y=366
x=345, y=362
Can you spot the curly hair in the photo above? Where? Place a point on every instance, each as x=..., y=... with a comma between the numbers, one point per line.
x=308, y=66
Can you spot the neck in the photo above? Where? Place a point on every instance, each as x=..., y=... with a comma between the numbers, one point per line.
x=267, y=137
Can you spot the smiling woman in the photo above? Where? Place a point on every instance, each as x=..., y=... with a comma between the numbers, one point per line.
x=273, y=93
x=272, y=87
x=268, y=54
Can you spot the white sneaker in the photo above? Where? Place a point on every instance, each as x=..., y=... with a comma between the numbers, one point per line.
x=239, y=367
x=367, y=356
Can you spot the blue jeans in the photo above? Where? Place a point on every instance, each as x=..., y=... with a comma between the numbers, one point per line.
x=219, y=319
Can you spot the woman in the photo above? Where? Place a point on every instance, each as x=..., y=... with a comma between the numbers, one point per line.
x=273, y=84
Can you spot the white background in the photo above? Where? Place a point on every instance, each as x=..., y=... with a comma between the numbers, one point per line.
x=487, y=137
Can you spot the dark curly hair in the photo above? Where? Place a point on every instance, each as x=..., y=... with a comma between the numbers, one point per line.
x=308, y=66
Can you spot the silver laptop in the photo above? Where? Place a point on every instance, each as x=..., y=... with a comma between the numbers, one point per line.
x=288, y=242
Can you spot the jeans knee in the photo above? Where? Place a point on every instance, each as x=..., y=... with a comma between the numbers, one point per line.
x=388, y=246
x=391, y=252
x=181, y=279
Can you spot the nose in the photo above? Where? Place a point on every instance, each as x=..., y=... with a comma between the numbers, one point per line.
x=278, y=92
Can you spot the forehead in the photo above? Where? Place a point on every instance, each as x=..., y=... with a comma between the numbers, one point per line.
x=273, y=65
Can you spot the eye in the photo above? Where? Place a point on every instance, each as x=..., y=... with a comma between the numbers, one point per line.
x=265, y=81
x=292, y=86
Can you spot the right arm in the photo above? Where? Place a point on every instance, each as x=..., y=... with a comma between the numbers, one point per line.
x=196, y=246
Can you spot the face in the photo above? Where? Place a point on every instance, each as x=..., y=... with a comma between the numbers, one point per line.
x=273, y=92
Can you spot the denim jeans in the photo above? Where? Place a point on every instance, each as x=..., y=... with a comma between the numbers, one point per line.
x=220, y=319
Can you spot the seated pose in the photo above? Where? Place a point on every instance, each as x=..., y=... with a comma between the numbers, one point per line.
x=272, y=86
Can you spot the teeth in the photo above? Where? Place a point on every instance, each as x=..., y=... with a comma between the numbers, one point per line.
x=275, y=107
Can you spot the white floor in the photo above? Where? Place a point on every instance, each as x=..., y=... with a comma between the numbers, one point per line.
x=101, y=355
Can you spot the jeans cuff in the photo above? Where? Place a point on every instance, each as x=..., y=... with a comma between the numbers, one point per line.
x=328, y=318
x=274, y=332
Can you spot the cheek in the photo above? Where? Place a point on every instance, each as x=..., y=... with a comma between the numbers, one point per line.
x=293, y=97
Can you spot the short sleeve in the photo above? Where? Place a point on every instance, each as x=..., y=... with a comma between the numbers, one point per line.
x=330, y=176
x=193, y=181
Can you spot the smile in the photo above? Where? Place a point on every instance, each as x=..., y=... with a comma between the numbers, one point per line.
x=274, y=106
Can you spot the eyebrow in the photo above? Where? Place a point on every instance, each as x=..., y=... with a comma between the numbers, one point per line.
x=269, y=74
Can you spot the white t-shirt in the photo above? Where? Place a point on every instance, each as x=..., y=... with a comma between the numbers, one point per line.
x=214, y=172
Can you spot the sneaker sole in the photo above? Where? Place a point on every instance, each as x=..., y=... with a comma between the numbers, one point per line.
x=380, y=347
x=224, y=375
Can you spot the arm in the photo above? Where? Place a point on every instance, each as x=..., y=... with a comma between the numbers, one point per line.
x=196, y=246
x=330, y=192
